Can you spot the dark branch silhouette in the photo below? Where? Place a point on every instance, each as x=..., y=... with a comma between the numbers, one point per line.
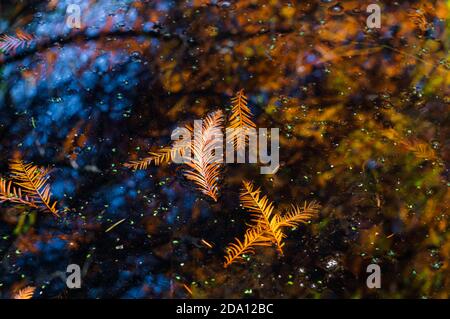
x=46, y=43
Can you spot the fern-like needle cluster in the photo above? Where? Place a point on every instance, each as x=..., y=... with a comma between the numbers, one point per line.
x=10, y=43
x=202, y=170
x=25, y=293
x=266, y=228
x=28, y=187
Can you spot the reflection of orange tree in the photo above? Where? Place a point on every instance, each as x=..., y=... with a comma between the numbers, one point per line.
x=10, y=43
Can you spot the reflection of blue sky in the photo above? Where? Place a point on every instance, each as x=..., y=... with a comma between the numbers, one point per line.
x=158, y=284
x=93, y=14
x=82, y=81
x=49, y=93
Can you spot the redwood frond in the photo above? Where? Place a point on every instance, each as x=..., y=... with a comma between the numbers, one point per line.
x=299, y=215
x=33, y=182
x=262, y=212
x=240, y=119
x=241, y=116
x=203, y=170
x=161, y=156
x=420, y=149
x=419, y=19
x=25, y=293
x=12, y=43
x=252, y=238
x=267, y=228
x=12, y=194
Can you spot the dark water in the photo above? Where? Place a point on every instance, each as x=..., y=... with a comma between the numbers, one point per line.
x=364, y=130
